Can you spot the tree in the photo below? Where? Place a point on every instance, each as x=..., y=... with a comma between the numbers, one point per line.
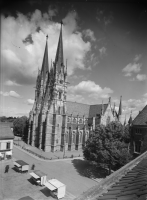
x=107, y=146
x=20, y=126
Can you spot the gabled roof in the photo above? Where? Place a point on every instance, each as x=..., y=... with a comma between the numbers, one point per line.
x=141, y=118
x=5, y=131
x=96, y=109
x=81, y=109
x=133, y=186
x=75, y=109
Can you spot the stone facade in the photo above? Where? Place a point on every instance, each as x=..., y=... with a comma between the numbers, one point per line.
x=55, y=123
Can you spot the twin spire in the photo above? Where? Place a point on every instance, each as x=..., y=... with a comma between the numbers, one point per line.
x=59, y=60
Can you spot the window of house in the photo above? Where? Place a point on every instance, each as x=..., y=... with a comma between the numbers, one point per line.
x=138, y=146
x=8, y=145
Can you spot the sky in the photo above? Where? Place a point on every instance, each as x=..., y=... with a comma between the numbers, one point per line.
x=105, y=45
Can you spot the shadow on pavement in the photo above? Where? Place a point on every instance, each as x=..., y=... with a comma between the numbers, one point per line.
x=87, y=169
x=32, y=182
x=46, y=192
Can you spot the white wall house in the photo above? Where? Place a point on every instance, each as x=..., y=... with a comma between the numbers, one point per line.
x=6, y=141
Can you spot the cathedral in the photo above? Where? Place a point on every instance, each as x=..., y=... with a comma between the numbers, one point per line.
x=56, y=124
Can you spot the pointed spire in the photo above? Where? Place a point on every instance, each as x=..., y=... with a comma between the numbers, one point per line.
x=102, y=109
x=45, y=65
x=125, y=121
x=59, y=60
x=130, y=119
x=120, y=107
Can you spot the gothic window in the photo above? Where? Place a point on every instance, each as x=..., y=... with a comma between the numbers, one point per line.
x=60, y=95
x=68, y=119
x=108, y=120
x=59, y=110
x=80, y=121
x=74, y=121
x=81, y=138
x=66, y=138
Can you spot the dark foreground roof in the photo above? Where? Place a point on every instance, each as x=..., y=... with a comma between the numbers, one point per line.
x=5, y=131
x=81, y=109
x=127, y=183
x=141, y=118
x=133, y=186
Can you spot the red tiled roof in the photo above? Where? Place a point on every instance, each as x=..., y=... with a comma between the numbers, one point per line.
x=141, y=118
x=5, y=131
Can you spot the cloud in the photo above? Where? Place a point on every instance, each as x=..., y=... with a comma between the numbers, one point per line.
x=132, y=67
x=23, y=43
x=30, y=101
x=11, y=83
x=89, y=33
x=104, y=18
x=11, y=94
x=91, y=89
x=141, y=77
x=102, y=51
x=137, y=58
x=145, y=95
x=52, y=11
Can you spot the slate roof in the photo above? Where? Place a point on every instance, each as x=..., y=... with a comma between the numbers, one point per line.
x=133, y=186
x=5, y=131
x=141, y=118
x=81, y=109
x=75, y=109
x=96, y=109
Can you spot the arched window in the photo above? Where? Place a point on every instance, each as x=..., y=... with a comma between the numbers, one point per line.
x=81, y=137
x=80, y=121
x=60, y=95
x=59, y=110
x=66, y=137
x=74, y=120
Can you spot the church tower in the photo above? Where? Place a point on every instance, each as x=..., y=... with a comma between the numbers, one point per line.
x=47, y=120
x=56, y=113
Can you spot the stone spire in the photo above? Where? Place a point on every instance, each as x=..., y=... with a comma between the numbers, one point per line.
x=45, y=66
x=102, y=108
x=130, y=119
x=59, y=60
x=120, y=109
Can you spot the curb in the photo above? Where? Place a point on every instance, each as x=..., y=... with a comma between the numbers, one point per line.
x=55, y=160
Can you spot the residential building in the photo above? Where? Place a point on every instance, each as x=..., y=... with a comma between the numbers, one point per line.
x=6, y=141
x=138, y=129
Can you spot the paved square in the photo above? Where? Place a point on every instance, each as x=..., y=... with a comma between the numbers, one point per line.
x=15, y=185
